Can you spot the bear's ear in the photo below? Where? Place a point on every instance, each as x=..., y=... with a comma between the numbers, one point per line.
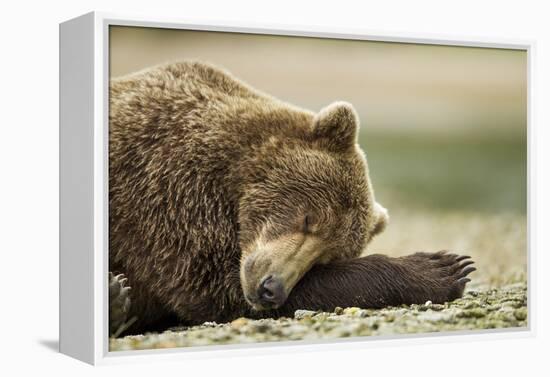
x=337, y=126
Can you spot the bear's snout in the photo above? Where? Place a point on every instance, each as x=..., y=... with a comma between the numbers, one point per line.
x=271, y=292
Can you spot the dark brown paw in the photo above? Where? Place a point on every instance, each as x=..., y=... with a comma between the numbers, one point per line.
x=443, y=273
x=119, y=303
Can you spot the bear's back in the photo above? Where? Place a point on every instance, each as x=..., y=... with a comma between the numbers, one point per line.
x=170, y=85
x=170, y=92
x=189, y=108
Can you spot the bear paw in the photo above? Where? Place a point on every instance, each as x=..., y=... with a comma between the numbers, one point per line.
x=119, y=304
x=444, y=273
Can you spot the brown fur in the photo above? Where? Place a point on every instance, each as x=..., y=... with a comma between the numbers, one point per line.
x=207, y=174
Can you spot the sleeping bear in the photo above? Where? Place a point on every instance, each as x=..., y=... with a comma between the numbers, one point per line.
x=227, y=202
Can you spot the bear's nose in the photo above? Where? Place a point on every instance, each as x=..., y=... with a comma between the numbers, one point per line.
x=271, y=292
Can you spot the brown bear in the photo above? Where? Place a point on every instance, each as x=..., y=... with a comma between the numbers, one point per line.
x=226, y=202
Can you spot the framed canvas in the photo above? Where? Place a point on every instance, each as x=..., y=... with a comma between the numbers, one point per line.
x=239, y=189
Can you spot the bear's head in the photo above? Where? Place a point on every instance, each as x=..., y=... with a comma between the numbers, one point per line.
x=307, y=200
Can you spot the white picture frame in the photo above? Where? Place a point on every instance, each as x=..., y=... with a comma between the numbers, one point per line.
x=84, y=77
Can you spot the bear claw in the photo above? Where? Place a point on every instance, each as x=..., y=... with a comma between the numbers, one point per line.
x=463, y=280
x=467, y=271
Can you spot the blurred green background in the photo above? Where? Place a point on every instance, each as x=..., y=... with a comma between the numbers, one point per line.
x=475, y=171
x=444, y=128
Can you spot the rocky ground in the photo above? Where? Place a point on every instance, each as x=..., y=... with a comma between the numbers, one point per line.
x=480, y=308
